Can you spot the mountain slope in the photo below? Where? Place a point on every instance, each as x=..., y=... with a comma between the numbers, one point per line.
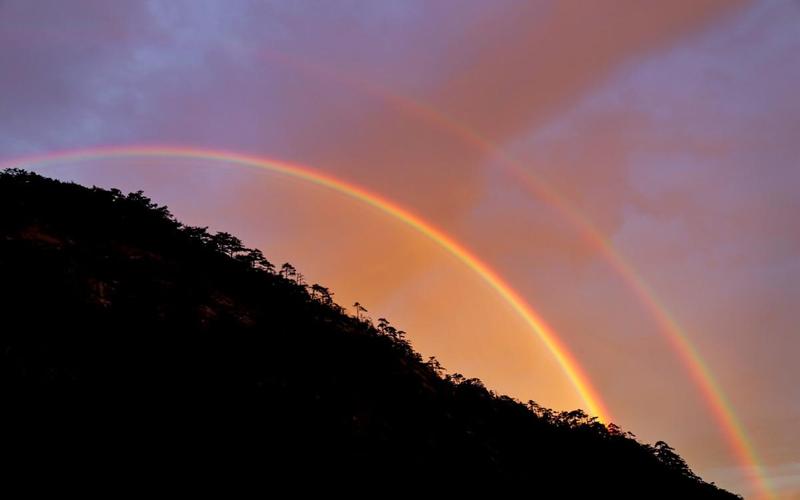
x=135, y=345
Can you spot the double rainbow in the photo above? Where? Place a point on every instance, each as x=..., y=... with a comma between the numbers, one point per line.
x=678, y=339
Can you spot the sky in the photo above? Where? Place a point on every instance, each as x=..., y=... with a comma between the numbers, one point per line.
x=668, y=129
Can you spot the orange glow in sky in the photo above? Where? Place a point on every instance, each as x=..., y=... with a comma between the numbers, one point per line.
x=588, y=204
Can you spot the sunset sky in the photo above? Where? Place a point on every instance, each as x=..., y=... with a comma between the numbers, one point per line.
x=630, y=168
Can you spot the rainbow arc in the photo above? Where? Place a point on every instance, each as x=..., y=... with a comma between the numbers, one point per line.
x=568, y=363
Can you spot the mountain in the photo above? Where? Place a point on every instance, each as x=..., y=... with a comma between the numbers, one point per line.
x=137, y=348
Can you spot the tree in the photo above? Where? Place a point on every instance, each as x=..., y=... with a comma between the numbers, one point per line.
x=139, y=198
x=667, y=456
x=227, y=243
x=116, y=194
x=359, y=309
x=387, y=329
x=288, y=271
x=267, y=266
x=251, y=257
x=325, y=295
x=455, y=378
x=574, y=418
x=261, y=262
x=197, y=233
x=435, y=365
x=540, y=411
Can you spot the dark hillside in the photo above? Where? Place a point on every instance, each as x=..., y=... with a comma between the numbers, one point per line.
x=136, y=346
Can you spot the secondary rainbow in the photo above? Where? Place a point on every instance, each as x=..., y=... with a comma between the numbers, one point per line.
x=701, y=375
x=546, y=334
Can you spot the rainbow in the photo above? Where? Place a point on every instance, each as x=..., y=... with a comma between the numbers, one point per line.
x=712, y=393
x=532, y=319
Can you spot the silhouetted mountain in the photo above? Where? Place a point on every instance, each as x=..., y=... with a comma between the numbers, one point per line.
x=134, y=347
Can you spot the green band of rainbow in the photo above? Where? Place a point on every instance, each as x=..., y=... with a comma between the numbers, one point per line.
x=565, y=359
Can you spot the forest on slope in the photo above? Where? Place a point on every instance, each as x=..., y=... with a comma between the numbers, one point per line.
x=129, y=338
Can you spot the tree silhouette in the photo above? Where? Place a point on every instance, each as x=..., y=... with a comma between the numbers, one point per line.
x=322, y=293
x=385, y=328
x=261, y=262
x=288, y=271
x=359, y=310
x=254, y=259
x=666, y=454
x=455, y=378
x=227, y=243
x=112, y=340
x=198, y=233
x=435, y=365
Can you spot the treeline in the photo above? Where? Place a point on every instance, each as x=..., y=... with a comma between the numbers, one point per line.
x=115, y=263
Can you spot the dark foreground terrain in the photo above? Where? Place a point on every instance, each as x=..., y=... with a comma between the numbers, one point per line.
x=134, y=348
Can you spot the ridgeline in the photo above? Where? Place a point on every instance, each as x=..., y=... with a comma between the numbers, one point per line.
x=136, y=347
